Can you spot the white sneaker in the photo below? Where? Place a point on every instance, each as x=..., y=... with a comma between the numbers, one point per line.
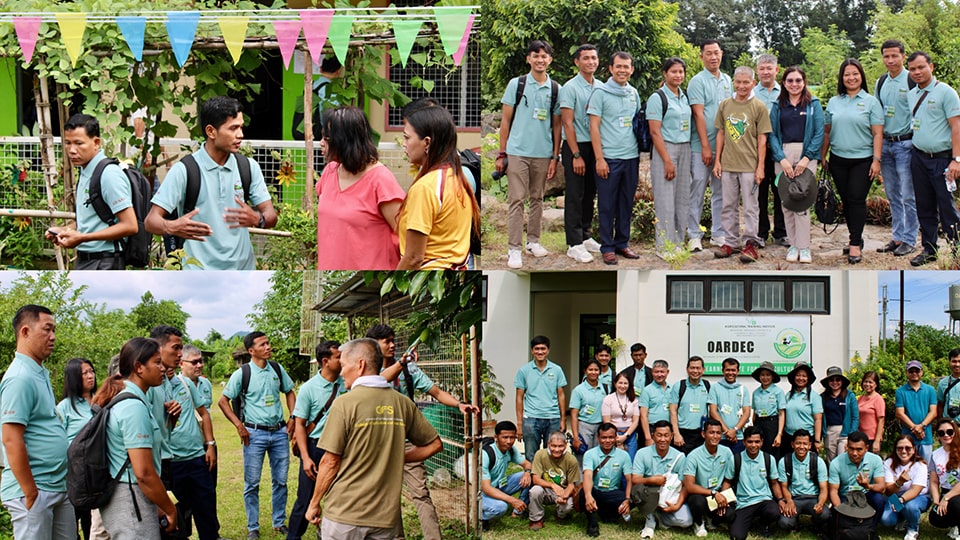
x=579, y=254
x=911, y=535
x=954, y=533
x=694, y=245
x=591, y=245
x=647, y=532
x=648, y=527
x=536, y=250
x=699, y=530
x=793, y=254
x=514, y=259
x=717, y=241
x=805, y=256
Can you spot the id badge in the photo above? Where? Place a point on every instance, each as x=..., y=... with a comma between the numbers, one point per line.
x=762, y=413
x=890, y=111
x=626, y=121
x=726, y=409
x=503, y=482
x=588, y=410
x=268, y=400
x=695, y=408
x=714, y=482
x=916, y=124
x=684, y=125
x=539, y=114
x=604, y=483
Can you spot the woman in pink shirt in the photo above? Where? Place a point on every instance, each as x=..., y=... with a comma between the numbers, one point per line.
x=872, y=411
x=357, y=198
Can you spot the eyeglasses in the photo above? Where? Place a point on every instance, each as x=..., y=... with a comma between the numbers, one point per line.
x=193, y=362
x=794, y=80
x=904, y=448
x=945, y=432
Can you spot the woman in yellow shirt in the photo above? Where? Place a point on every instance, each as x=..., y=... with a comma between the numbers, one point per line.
x=435, y=219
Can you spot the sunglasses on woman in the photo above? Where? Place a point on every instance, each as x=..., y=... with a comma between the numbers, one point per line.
x=945, y=432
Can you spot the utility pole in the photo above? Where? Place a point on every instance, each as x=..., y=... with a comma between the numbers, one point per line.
x=883, y=329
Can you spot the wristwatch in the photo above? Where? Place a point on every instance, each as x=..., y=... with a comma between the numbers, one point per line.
x=576, y=155
x=956, y=158
x=263, y=221
x=210, y=443
x=556, y=157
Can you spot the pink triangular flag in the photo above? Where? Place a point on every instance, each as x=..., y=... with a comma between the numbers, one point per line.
x=462, y=48
x=316, y=26
x=27, y=30
x=288, y=32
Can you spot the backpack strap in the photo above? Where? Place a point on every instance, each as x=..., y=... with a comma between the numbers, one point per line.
x=193, y=183
x=243, y=167
x=883, y=78
x=682, y=391
x=947, y=391
x=241, y=399
x=326, y=406
x=606, y=389
x=491, y=457
x=521, y=86
x=814, y=470
x=95, y=199
x=408, y=380
x=663, y=99
x=596, y=470
x=788, y=468
x=735, y=481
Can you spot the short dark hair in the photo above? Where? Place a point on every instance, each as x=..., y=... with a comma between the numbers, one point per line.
x=330, y=63
x=857, y=436
x=623, y=55
x=892, y=44
x=917, y=54
x=601, y=348
x=638, y=347
x=661, y=423
x=582, y=48
x=325, y=348
x=89, y=124
x=349, y=140
x=801, y=433
x=672, y=61
x=250, y=338
x=704, y=43
x=504, y=425
x=730, y=361
x=841, y=89
x=540, y=340
x=955, y=352
x=750, y=431
x=217, y=110
x=711, y=422
x=693, y=359
x=380, y=331
x=590, y=362
x=162, y=333
x=28, y=314
x=538, y=45
x=136, y=351
x=605, y=426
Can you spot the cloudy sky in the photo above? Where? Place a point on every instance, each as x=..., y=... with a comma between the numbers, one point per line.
x=927, y=293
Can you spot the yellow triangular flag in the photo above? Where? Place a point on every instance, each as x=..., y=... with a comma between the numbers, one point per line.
x=234, y=31
x=72, y=26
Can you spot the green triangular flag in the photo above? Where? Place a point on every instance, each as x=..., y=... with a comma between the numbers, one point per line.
x=451, y=23
x=406, y=33
x=339, y=35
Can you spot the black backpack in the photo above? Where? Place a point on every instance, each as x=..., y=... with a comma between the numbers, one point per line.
x=851, y=528
x=89, y=484
x=521, y=86
x=883, y=78
x=238, y=402
x=471, y=160
x=827, y=207
x=737, y=458
x=193, y=179
x=136, y=247
x=486, y=445
x=814, y=469
x=641, y=129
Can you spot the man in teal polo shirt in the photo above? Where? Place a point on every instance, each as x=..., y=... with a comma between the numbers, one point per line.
x=687, y=412
x=262, y=430
x=891, y=91
x=191, y=366
x=858, y=470
x=705, y=92
x=541, y=401
x=768, y=91
x=603, y=356
x=33, y=486
x=497, y=490
x=97, y=242
x=948, y=389
x=216, y=230
x=706, y=474
x=916, y=406
x=604, y=467
x=579, y=165
x=935, y=163
x=651, y=466
x=729, y=403
x=801, y=494
x=611, y=111
x=654, y=401
x=758, y=492
x=530, y=139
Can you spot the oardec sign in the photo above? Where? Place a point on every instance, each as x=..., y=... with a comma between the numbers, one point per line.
x=751, y=339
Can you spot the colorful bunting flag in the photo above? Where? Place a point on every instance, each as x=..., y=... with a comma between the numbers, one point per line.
x=133, y=29
x=316, y=26
x=450, y=24
x=27, y=30
x=406, y=32
x=458, y=56
x=72, y=26
x=234, y=30
x=182, y=28
x=339, y=36
x=288, y=32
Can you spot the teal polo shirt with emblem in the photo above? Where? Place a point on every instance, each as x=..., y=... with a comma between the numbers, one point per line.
x=843, y=472
x=26, y=398
x=694, y=405
x=707, y=90
x=606, y=379
x=769, y=401
x=676, y=125
x=754, y=483
x=897, y=118
x=531, y=134
x=206, y=391
x=186, y=438
x=131, y=425
x=916, y=403
x=801, y=484
x=729, y=399
x=311, y=398
x=851, y=119
x=574, y=95
x=951, y=399
x=656, y=399
x=767, y=95
x=156, y=397
x=540, y=389
x=263, y=404
x=587, y=400
x=616, y=120
x=800, y=410
x=610, y=476
x=115, y=189
x=931, y=131
x=496, y=473
x=647, y=462
x=75, y=415
x=639, y=381
x=708, y=470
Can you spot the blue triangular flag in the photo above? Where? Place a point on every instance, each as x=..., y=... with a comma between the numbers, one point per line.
x=181, y=28
x=132, y=29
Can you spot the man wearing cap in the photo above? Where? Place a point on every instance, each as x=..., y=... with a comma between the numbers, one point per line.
x=651, y=466
x=655, y=401
x=804, y=408
x=556, y=478
x=857, y=470
x=841, y=413
x=688, y=407
x=803, y=492
x=916, y=404
x=768, y=403
x=729, y=403
x=948, y=389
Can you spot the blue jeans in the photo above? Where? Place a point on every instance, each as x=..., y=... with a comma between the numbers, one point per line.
x=898, y=183
x=631, y=444
x=698, y=187
x=276, y=445
x=535, y=432
x=910, y=513
x=615, y=203
x=494, y=508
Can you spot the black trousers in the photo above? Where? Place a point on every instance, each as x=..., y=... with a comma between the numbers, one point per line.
x=580, y=193
x=692, y=438
x=607, y=504
x=950, y=519
x=766, y=512
x=768, y=426
x=779, y=227
x=934, y=203
x=699, y=510
x=298, y=520
x=852, y=177
x=193, y=485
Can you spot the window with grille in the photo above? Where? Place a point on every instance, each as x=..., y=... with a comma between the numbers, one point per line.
x=748, y=294
x=457, y=90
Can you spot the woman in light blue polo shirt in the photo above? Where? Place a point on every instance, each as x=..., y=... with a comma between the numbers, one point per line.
x=585, y=409
x=854, y=137
x=804, y=409
x=79, y=382
x=133, y=447
x=670, y=161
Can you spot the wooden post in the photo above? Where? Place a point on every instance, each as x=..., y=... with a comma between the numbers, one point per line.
x=307, y=201
x=48, y=157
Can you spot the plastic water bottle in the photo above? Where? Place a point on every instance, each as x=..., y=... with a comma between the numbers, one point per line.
x=951, y=183
x=626, y=517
